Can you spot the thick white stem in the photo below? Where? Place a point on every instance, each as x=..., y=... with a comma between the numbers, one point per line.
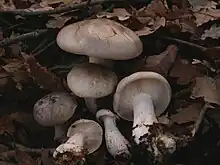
x=78, y=141
x=59, y=132
x=144, y=115
x=103, y=62
x=115, y=141
x=75, y=145
x=91, y=104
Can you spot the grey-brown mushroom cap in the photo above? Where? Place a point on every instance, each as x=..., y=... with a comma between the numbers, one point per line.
x=93, y=133
x=90, y=80
x=101, y=38
x=54, y=109
x=141, y=82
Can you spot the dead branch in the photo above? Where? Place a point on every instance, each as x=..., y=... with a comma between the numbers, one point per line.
x=202, y=48
x=67, y=8
x=8, y=41
x=35, y=151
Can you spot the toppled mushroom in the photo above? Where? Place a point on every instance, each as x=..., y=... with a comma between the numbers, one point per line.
x=54, y=110
x=116, y=143
x=91, y=81
x=100, y=39
x=85, y=137
x=142, y=97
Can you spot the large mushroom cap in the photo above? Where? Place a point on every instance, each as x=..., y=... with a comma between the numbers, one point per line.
x=90, y=80
x=101, y=38
x=54, y=109
x=141, y=82
x=92, y=133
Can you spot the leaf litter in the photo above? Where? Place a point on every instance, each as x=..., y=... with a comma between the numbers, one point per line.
x=26, y=78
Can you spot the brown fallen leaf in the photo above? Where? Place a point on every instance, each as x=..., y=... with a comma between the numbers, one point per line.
x=206, y=87
x=24, y=159
x=188, y=114
x=18, y=71
x=58, y=21
x=152, y=17
x=6, y=163
x=213, y=32
x=205, y=11
x=185, y=71
x=121, y=13
x=43, y=77
x=7, y=121
x=163, y=62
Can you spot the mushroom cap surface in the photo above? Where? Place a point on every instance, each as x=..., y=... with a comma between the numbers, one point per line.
x=101, y=38
x=54, y=109
x=90, y=80
x=92, y=131
x=150, y=83
x=105, y=112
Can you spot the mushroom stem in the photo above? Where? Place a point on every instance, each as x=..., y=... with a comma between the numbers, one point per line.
x=78, y=142
x=116, y=143
x=91, y=104
x=74, y=145
x=144, y=115
x=59, y=132
x=103, y=62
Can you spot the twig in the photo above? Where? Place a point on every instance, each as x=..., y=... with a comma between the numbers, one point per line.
x=44, y=48
x=35, y=151
x=200, y=118
x=39, y=46
x=28, y=12
x=202, y=48
x=8, y=41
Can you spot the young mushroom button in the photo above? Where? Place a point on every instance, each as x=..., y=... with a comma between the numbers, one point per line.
x=91, y=81
x=100, y=39
x=54, y=110
x=142, y=97
x=116, y=143
x=85, y=137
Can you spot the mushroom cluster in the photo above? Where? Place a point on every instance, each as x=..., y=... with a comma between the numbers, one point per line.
x=140, y=98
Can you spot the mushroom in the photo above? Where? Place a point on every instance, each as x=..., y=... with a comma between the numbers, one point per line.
x=100, y=39
x=55, y=109
x=85, y=137
x=116, y=143
x=142, y=97
x=91, y=81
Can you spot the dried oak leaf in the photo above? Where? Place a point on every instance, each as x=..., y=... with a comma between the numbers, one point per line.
x=7, y=5
x=18, y=71
x=58, y=21
x=152, y=17
x=7, y=121
x=206, y=88
x=23, y=158
x=213, y=32
x=121, y=13
x=188, y=114
x=163, y=62
x=43, y=77
x=205, y=11
x=185, y=71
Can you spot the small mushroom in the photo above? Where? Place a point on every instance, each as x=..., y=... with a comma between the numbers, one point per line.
x=85, y=137
x=91, y=81
x=54, y=110
x=142, y=97
x=116, y=143
x=100, y=39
